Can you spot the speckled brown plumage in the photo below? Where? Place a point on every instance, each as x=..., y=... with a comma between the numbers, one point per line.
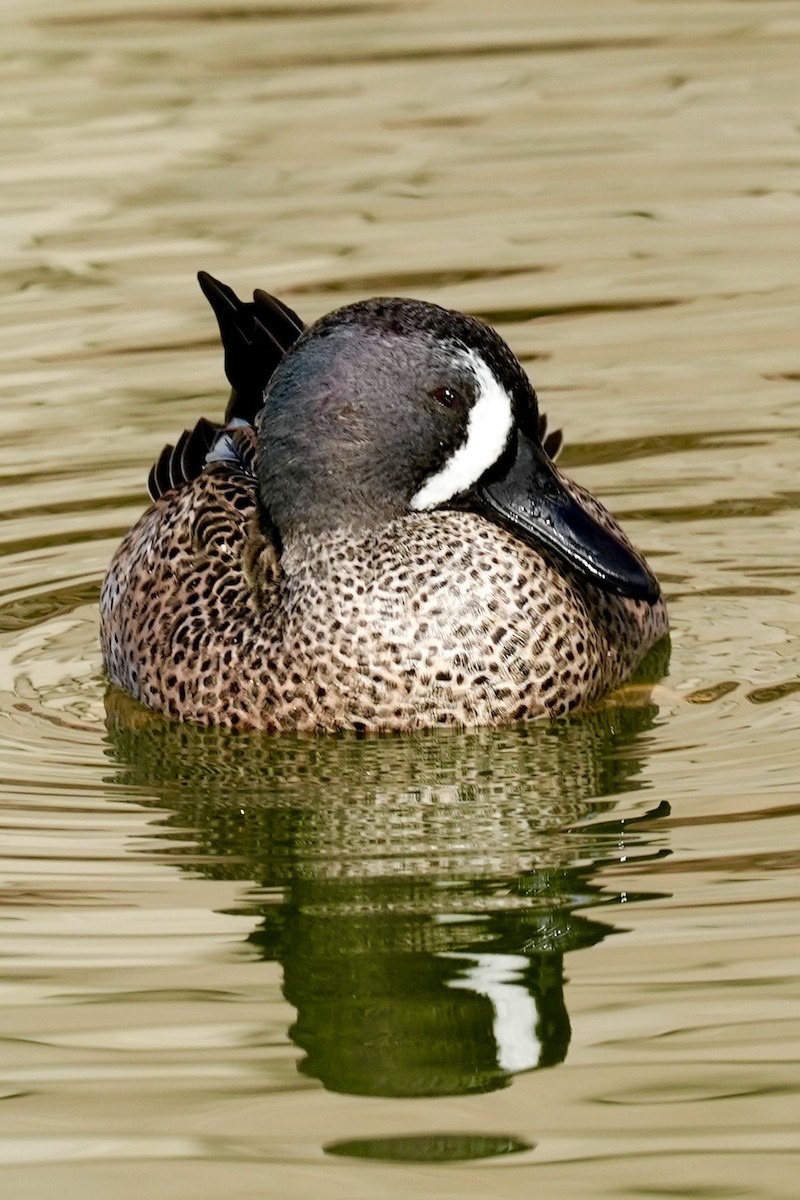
x=438, y=619
x=384, y=544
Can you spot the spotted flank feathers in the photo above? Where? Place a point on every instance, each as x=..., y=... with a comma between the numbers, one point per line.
x=374, y=538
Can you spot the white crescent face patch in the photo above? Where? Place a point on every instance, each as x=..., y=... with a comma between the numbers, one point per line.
x=489, y=427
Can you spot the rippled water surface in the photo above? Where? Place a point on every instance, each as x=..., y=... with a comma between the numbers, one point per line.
x=555, y=961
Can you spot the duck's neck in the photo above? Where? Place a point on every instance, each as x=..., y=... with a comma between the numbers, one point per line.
x=307, y=550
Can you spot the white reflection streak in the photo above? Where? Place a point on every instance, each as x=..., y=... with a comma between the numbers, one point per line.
x=515, y=1012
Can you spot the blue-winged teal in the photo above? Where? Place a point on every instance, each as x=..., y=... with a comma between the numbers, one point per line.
x=376, y=538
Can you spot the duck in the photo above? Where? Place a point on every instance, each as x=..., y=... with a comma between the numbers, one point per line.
x=375, y=538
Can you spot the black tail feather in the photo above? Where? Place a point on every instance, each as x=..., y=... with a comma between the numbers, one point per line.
x=184, y=461
x=175, y=460
x=288, y=325
x=255, y=337
x=196, y=447
x=159, y=480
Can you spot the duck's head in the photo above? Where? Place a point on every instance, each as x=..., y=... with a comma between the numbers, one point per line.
x=393, y=406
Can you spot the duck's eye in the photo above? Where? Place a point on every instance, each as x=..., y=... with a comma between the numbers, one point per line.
x=448, y=397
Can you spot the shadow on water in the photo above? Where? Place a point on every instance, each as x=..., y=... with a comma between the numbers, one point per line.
x=419, y=892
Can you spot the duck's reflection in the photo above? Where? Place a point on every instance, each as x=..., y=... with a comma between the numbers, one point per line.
x=420, y=893
x=395, y=1000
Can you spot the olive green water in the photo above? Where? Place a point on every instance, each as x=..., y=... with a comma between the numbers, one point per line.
x=556, y=961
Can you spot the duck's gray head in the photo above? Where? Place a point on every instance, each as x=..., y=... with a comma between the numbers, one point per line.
x=392, y=406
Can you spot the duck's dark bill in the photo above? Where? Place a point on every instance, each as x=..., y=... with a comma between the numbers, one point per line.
x=529, y=498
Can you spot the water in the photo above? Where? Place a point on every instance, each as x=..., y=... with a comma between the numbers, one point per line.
x=556, y=960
